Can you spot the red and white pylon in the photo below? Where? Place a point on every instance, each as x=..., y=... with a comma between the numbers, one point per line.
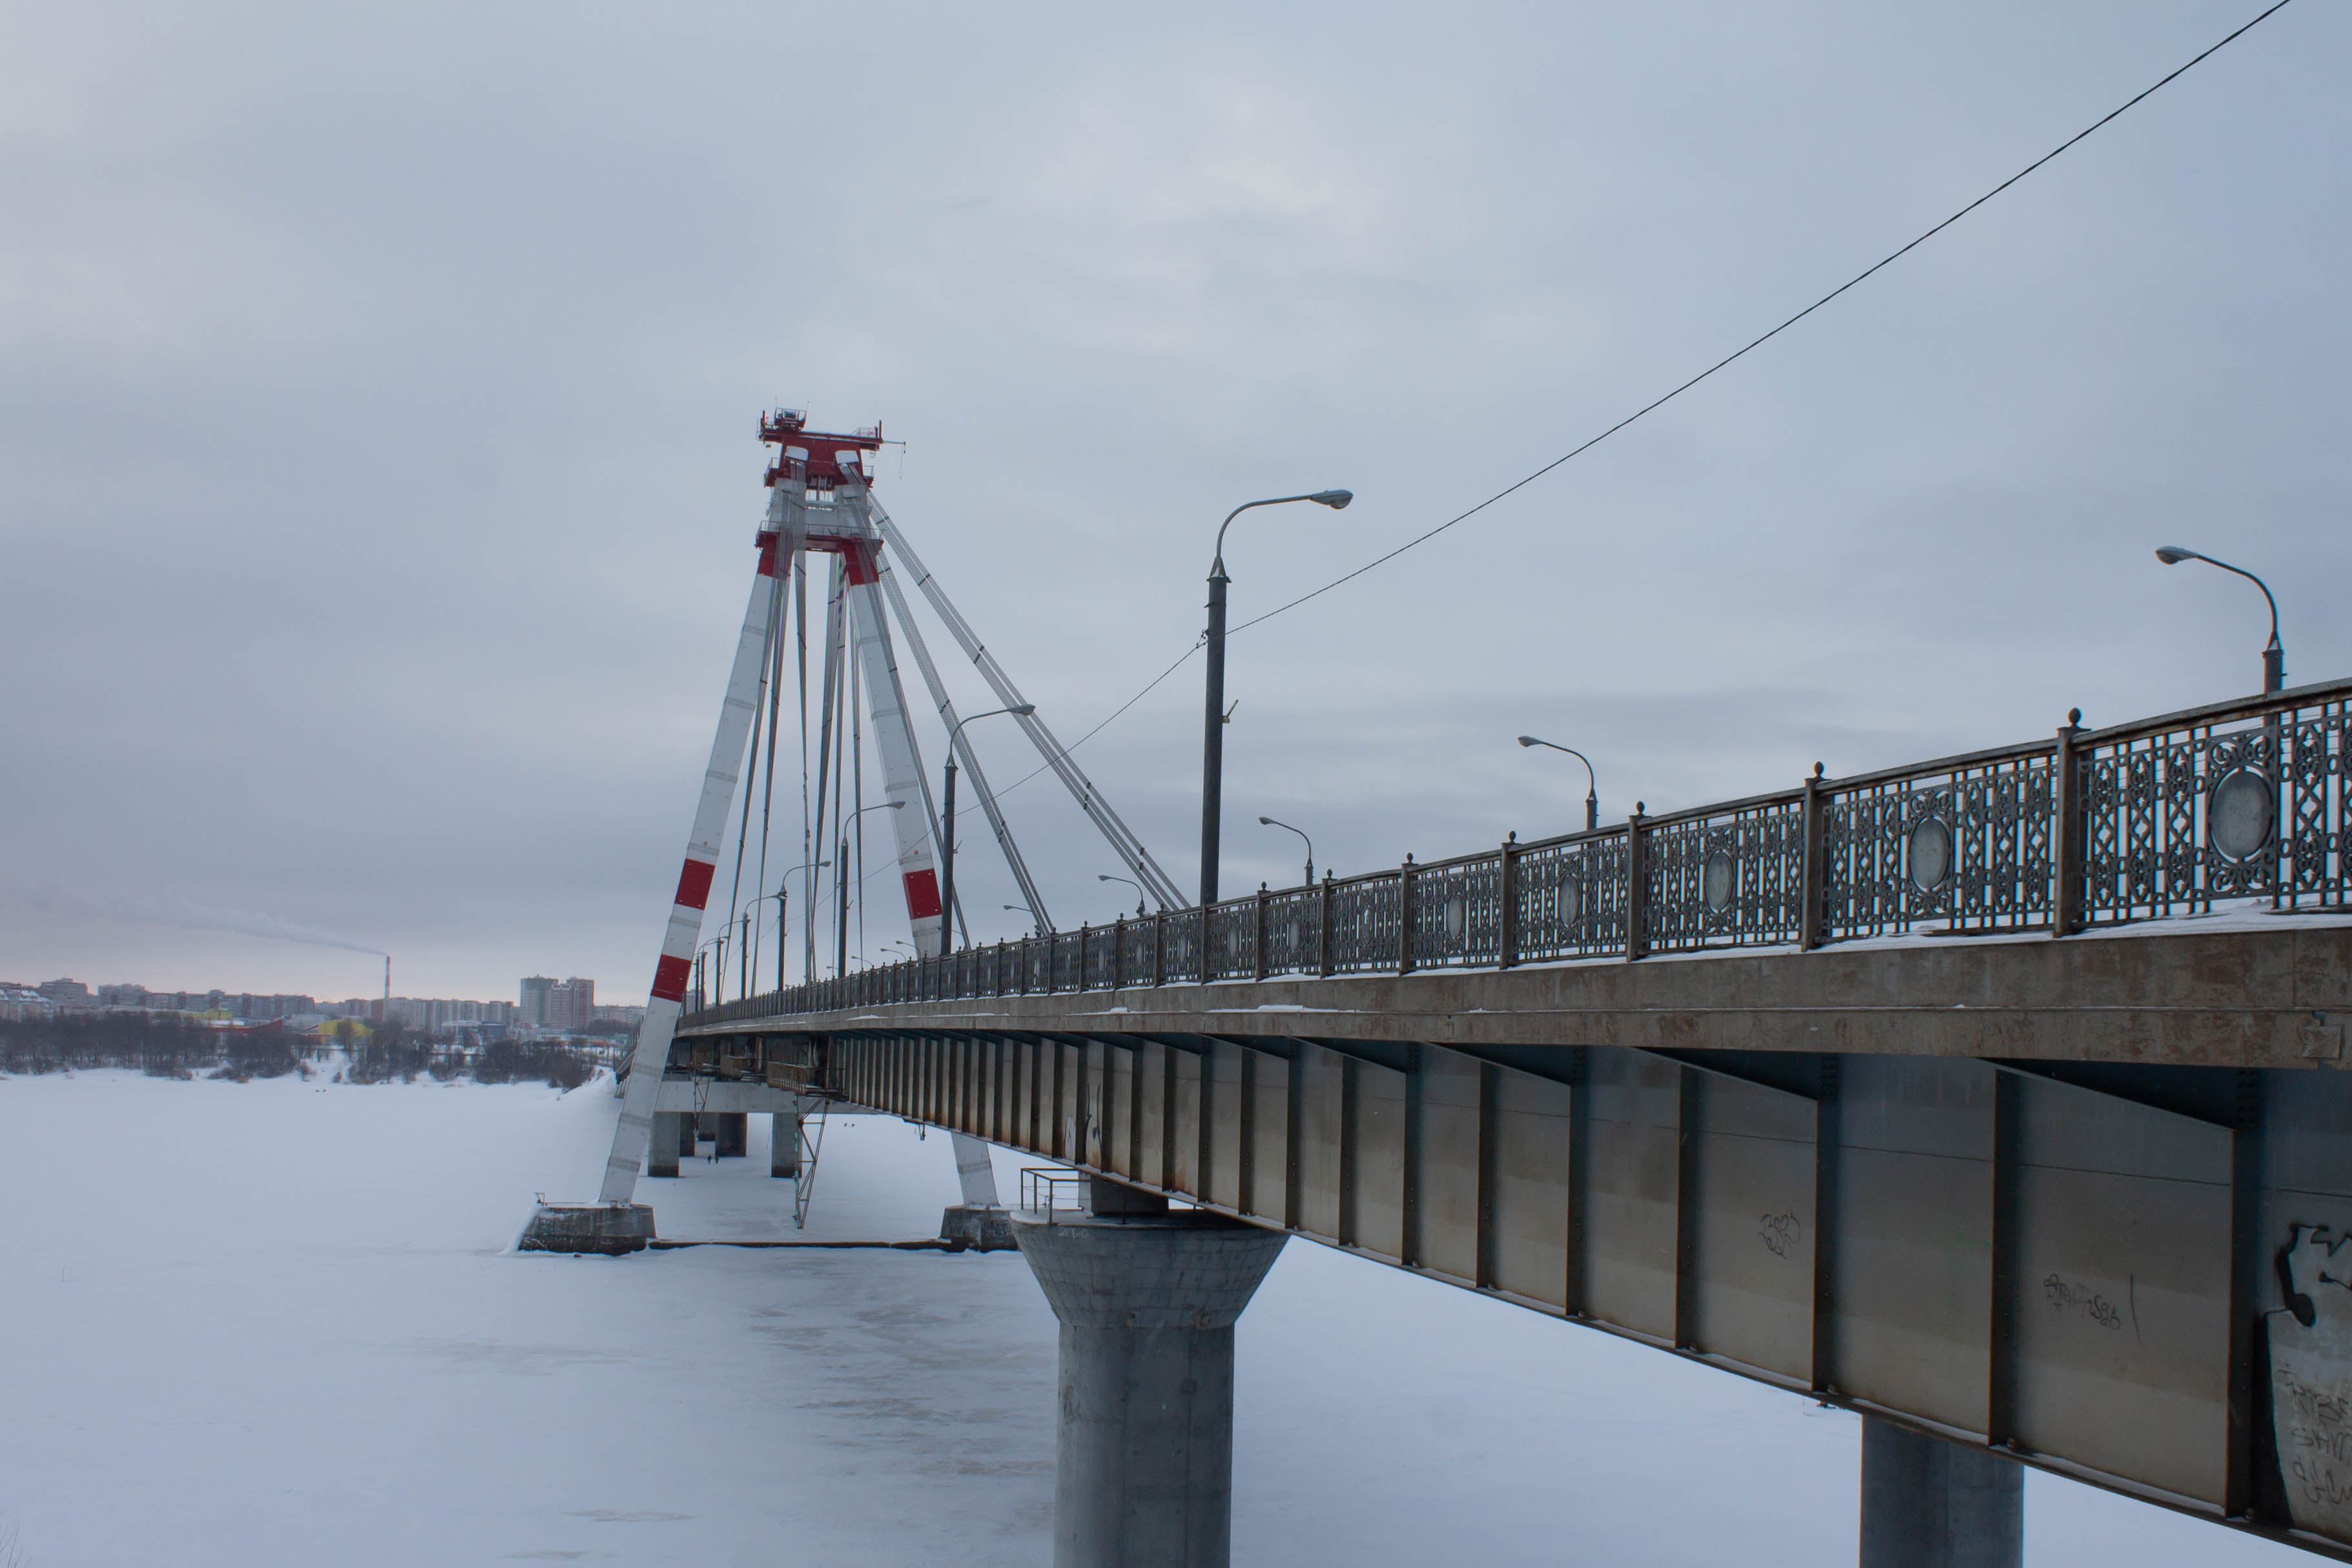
x=821, y=501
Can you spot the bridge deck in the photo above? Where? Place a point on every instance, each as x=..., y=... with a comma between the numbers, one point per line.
x=2252, y=992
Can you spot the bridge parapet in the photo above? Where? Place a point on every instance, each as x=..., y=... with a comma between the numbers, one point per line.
x=2237, y=803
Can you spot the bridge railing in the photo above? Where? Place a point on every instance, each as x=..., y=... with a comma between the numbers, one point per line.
x=2245, y=801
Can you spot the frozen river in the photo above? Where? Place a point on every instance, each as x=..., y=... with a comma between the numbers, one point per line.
x=278, y=1323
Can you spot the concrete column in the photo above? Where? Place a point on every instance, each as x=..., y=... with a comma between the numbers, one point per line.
x=686, y=1135
x=1144, y=1453
x=661, y=1156
x=784, y=1145
x=1927, y=1503
x=733, y=1133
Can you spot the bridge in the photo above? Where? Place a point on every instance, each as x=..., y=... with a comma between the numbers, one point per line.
x=1998, y=1097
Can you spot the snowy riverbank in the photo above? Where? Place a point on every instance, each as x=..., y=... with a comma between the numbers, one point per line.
x=276, y=1323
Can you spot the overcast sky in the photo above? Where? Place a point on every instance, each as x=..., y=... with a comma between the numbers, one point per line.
x=378, y=389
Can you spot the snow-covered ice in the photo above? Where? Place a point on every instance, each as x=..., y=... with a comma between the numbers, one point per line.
x=278, y=1322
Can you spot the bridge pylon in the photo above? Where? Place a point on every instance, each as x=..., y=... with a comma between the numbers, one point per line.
x=821, y=502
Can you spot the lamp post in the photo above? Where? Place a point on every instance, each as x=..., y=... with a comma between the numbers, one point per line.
x=1591, y=790
x=947, y=827
x=1269, y=822
x=1026, y=911
x=841, y=924
x=702, y=971
x=2273, y=656
x=1212, y=739
x=784, y=886
x=1137, y=886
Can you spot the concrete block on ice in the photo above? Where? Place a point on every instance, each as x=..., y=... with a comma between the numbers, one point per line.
x=978, y=1228
x=609, y=1228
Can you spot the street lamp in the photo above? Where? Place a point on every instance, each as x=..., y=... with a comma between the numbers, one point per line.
x=1137, y=886
x=947, y=826
x=783, y=884
x=2273, y=656
x=1212, y=739
x=841, y=931
x=700, y=1000
x=1269, y=822
x=1591, y=790
x=1026, y=911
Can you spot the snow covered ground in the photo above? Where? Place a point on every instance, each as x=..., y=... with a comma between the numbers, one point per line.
x=277, y=1323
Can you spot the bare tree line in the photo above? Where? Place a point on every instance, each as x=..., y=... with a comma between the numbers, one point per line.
x=165, y=1045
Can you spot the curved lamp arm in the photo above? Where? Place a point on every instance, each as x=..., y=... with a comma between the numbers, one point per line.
x=1336, y=499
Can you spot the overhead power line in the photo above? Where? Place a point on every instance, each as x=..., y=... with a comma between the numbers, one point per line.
x=1754, y=343
x=1740, y=352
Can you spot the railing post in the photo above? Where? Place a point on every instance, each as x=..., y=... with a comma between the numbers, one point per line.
x=1259, y=967
x=1637, y=887
x=1119, y=953
x=1812, y=877
x=1507, y=912
x=1404, y=918
x=1159, y=948
x=2068, y=853
x=1323, y=926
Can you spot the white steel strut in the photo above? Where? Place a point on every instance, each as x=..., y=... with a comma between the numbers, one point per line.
x=1123, y=841
x=634, y=1132
x=968, y=758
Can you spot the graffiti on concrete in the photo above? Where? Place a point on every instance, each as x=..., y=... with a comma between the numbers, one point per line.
x=2310, y=1380
x=2062, y=1296
x=1782, y=1234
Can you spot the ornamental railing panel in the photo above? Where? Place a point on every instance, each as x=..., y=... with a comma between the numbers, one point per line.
x=1365, y=928
x=1457, y=913
x=1571, y=897
x=1961, y=847
x=1294, y=931
x=1727, y=878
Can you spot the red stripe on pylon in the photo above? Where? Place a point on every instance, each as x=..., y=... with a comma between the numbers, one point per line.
x=669, y=978
x=694, y=884
x=922, y=895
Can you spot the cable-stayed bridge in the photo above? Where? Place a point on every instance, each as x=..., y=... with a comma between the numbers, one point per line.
x=1999, y=1097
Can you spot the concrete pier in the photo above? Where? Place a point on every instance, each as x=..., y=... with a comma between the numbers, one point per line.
x=784, y=1145
x=732, y=1134
x=1927, y=1503
x=729, y=1130
x=661, y=1153
x=687, y=1136
x=1144, y=1450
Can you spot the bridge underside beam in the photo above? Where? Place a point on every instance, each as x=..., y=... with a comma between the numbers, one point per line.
x=2050, y=1271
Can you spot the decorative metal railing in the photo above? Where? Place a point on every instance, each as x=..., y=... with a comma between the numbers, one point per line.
x=2239, y=801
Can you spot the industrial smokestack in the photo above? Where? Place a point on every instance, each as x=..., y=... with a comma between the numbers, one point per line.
x=387, y=978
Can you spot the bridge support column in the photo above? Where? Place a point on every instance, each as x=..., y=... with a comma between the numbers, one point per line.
x=729, y=1130
x=784, y=1145
x=661, y=1155
x=1927, y=1503
x=1144, y=1453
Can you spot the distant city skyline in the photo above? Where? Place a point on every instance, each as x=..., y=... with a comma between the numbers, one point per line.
x=561, y=1005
